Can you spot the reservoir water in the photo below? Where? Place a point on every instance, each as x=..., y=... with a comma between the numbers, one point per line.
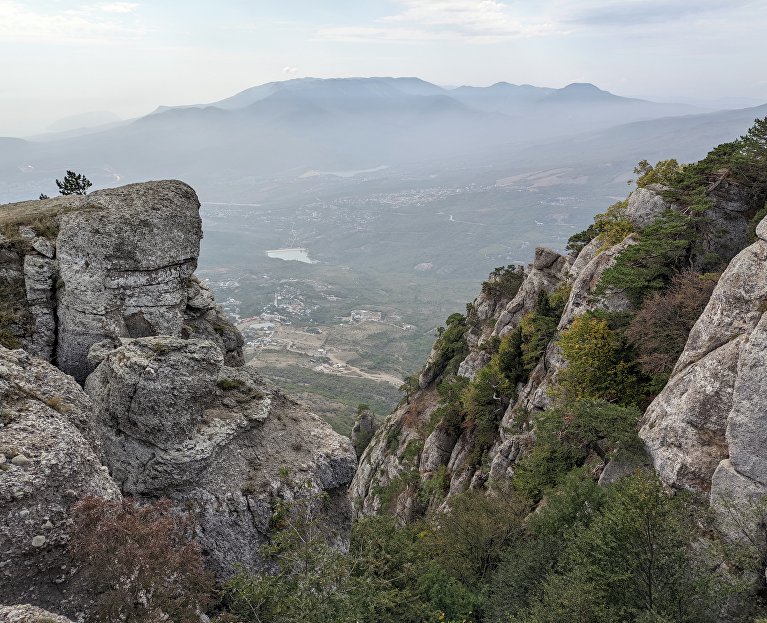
x=295, y=255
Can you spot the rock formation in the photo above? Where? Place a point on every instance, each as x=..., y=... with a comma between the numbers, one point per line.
x=177, y=423
x=49, y=458
x=707, y=430
x=116, y=263
x=103, y=286
x=29, y=614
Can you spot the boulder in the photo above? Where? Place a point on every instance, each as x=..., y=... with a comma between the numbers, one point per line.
x=176, y=422
x=47, y=462
x=645, y=205
x=706, y=430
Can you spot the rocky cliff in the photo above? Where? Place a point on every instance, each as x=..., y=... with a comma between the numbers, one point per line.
x=102, y=288
x=433, y=446
x=707, y=429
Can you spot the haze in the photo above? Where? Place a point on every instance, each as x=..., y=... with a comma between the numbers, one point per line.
x=67, y=58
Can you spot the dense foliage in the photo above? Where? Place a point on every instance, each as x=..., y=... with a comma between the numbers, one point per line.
x=450, y=348
x=662, y=248
x=660, y=328
x=627, y=552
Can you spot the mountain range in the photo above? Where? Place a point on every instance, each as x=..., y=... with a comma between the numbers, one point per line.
x=288, y=128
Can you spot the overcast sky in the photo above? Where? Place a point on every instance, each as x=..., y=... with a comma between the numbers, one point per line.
x=60, y=58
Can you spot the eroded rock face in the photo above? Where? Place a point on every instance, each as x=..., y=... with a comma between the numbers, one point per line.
x=176, y=422
x=706, y=429
x=48, y=460
x=115, y=263
x=125, y=263
x=386, y=465
x=548, y=271
x=104, y=286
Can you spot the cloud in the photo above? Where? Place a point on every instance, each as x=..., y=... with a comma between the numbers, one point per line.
x=482, y=21
x=492, y=21
x=81, y=24
x=289, y=70
x=635, y=13
x=118, y=7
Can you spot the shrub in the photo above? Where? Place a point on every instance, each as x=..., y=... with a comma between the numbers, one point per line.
x=662, y=249
x=436, y=487
x=664, y=172
x=140, y=562
x=660, y=329
x=566, y=436
x=599, y=363
x=469, y=541
x=311, y=582
x=613, y=225
x=229, y=384
x=576, y=242
x=450, y=348
x=504, y=282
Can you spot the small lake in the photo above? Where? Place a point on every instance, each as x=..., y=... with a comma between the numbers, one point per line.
x=294, y=255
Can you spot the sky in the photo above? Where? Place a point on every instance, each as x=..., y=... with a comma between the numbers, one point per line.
x=59, y=58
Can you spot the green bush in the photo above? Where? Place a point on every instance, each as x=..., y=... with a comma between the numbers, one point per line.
x=504, y=282
x=613, y=225
x=450, y=348
x=600, y=363
x=634, y=562
x=662, y=249
x=664, y=173
x=566, y=437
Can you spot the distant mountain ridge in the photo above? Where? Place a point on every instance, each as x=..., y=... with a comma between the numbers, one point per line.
x=287, y=128
x=499, y=97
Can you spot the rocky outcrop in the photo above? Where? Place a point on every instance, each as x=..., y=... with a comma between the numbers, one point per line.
x=548, y=271
x=706, y=430
x=645, y=205
x=363, y=430
x=29, y=614
x=384, y=476
x=116, y=263
x=176, y=422
x=49, y=458
x=103, y=285
x=125, y=261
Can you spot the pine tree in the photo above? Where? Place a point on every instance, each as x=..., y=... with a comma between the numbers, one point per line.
x=74, y=184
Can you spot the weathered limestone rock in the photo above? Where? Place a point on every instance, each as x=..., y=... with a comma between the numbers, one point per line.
x=177, y=423
x=40, y=275
x=380, y=466
x=204, y=319
x=548, y=271
x=29, y=614
x=120, y=263
x=437, y=449
x=706, y=429
x=125, y=263
x=592, y=266
x=645, y=205
x=47, y=464
x=363, y=430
